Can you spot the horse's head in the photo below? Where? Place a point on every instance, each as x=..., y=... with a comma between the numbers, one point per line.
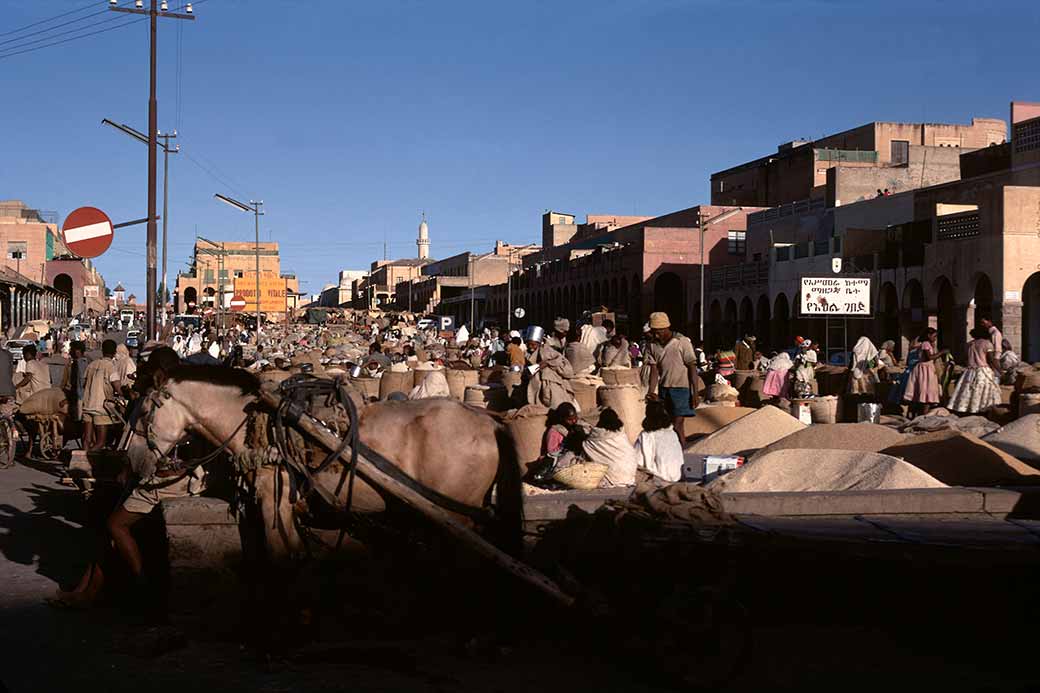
x=207, y=400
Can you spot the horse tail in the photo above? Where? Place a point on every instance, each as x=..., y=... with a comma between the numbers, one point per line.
x=509, y=503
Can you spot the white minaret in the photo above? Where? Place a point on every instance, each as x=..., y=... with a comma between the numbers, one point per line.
x=423, y=242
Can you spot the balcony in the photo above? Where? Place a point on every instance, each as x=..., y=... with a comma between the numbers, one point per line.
x=734, y=276
x=853, y=155
x=791, y=209
x=955, y=227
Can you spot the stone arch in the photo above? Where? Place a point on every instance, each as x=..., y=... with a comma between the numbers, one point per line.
x=762, y=314
x=191, y=299
x=983, y=298
x=64, y=284
x=945, y=306
x=781, y=323
x=670, y=298
x=747, y=317
x=729, y=324
x=1031, y=319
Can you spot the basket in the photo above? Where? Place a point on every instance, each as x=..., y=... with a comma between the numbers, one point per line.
x=583, y=476
x=824, y=409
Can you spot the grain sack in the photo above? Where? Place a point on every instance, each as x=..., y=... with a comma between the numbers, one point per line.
x=862, y=437
x=619, y=376
x=723, y=392
x=1028, y=380
x=527, y=426
x=712, y=417
x=961, y=459
x=824, y=409
x=585, y=392
x=458, y=380
x=740, y=378
x=491, y=397
x=392, y=381
x=1020, y=438
x=1028, y=403
x=749, y=433
x=484, y=375
x=510, y=380
x=369, y=387
x=47, y=402
x=580, y=358
x=421, y=370
x=628, y=402
x=813, y=469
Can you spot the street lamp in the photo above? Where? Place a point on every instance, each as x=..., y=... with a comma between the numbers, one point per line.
x=703, y=224
x=254, y=207
x=153, y=129
x=141, y=137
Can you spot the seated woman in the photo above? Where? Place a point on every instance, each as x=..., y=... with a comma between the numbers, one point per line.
x=607, y=444
x=1009, y=363
x=658, y=449
x=560, y=422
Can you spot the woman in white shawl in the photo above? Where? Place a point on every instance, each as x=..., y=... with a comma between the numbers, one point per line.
x=778, y=380
x=863, y=377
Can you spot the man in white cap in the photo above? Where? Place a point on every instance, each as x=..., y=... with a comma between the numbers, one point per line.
x=558, y=339
x=673, y=372
x=547, y=373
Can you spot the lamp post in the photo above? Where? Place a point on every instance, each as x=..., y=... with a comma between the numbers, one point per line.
x=141, y=137
x=703, y=224
x=254, y=207
x=153, y=14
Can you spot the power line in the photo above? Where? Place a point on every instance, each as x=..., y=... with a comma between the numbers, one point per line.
x=44, y=21
x=54, y=36
x=72, y=38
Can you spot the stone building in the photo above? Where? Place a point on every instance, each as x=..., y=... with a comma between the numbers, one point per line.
x=218, y=266
x=941, y=255
x=631, y=265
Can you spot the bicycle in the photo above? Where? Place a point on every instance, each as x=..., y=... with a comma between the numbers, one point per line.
x=8, y=435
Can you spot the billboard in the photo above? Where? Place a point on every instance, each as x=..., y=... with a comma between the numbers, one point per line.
x=272, y=292
x=835, y=297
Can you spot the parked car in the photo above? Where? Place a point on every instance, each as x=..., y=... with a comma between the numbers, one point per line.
x=15, y=346
x=133, y=339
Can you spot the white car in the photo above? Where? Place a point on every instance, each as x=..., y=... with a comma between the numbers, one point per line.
x=425, y=323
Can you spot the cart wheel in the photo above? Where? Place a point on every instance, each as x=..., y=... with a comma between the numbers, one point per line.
x=48, y=446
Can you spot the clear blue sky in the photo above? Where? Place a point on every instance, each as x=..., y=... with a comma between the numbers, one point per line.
x=347, y=118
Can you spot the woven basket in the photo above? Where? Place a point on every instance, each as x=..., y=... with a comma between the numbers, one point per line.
x=824, y=409
x=583, y=476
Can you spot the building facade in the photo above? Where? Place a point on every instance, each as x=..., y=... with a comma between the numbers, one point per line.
x=217, y=266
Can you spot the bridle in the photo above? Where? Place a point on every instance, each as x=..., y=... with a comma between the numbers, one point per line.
x=168, y=460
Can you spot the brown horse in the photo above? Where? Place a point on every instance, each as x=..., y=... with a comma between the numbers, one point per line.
x=455, y=450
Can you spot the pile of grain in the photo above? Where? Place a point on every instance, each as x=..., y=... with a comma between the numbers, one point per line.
x=813, y=469
x=961, y=459
x=749, y=433
x=711, y=418
x=1020, y=438
x=974, y=425
x=862, y=437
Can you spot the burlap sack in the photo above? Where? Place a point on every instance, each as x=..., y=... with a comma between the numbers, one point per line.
x=620, y=376
x=395, y=382
x=527, y=426
x=369, y=387
x=628, y=402
x=47, y=402
x=458, y=380
x=585, y=392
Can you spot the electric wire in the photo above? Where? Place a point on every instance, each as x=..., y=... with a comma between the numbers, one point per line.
x=51, y=19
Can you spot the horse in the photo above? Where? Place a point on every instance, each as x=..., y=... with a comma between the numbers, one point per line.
x=457, y=451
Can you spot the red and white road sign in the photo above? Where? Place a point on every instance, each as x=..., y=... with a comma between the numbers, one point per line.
x=208, y=311
x=87, y=232
x=238, y=304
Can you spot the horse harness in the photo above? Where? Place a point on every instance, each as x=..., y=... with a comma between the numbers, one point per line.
x=297, y=391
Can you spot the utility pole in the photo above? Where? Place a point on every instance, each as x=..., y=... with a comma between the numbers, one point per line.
x=153, y=14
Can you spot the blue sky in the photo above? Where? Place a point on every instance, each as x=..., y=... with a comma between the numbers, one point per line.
x=348, y=118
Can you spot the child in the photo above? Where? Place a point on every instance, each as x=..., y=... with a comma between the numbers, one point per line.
x=560, y=422
x=658, y=448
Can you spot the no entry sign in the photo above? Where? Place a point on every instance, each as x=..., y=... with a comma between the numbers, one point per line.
x=87, y=232
x=238, y=304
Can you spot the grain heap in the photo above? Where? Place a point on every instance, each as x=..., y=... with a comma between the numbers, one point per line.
x=804, y=469
x=749, y=433
x=974, y=425
x=1020, y=438
x=961, y=459
x=711, y=418
x=862, y=437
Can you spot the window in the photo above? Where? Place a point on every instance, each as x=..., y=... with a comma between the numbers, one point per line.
x=17, y=250
x=239, y=274
x=207, y=276
x=736, y=242
x=900, y=151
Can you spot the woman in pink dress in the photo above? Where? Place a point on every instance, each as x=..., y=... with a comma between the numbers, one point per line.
x=922, y=389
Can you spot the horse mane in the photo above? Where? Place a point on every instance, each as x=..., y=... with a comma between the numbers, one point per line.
x=246, y=382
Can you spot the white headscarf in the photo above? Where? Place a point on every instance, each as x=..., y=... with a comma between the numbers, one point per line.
x=862, y=354
x=592, y=337
x=781, y=362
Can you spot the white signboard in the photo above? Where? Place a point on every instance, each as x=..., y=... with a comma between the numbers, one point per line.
x=839, y=297
x=91, y=291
